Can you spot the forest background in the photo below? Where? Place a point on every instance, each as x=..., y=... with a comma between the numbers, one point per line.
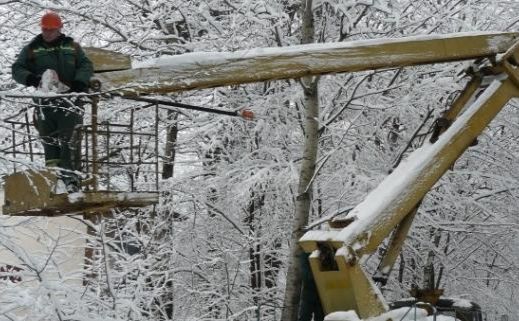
x=235, y=194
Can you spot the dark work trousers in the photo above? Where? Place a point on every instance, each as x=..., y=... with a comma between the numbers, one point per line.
x=58, y=123
x=309, y=304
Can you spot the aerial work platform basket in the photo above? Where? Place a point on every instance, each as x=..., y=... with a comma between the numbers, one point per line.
x=119, y=165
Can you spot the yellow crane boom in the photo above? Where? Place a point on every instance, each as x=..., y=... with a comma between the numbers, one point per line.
x=392, y=205
x=213, y=69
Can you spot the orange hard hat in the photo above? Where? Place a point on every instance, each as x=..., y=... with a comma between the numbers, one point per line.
x=51, y=20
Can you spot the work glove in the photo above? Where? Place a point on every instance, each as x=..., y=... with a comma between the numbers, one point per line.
x=78, y=87
x=33, y=80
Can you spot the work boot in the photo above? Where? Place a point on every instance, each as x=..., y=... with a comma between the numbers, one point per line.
x=73, y=187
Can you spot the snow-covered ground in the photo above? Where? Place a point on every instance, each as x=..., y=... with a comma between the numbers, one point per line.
x=48, y=251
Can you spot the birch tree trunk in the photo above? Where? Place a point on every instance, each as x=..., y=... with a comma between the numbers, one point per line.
x=304, y=192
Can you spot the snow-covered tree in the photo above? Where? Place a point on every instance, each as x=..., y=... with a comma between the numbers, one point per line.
x=218, y=244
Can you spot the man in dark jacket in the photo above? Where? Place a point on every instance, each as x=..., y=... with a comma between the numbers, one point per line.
x=53, y=53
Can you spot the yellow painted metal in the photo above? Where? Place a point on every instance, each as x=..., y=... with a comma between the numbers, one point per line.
x=196, y=71
x=346, y=288
x=511, y=55
x=28, y=190
x=461, y=101
x=106, y=60
x=33, y=193
x=338, y=288
x=395, y=244
x=511, y=71
x=446, y=153
x=471, y=90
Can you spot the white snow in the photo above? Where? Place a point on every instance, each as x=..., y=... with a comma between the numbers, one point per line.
x=60, y=188
x=342, y=316
x=32, y=234
x=402, y=314
x=50, y=82
x=462, y=303
x=76, y=197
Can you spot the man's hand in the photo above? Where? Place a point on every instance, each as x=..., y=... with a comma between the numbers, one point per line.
x=78, y=87
x=33, y=80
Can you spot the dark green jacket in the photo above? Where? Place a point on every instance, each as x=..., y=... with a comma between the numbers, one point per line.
x=62, y=55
